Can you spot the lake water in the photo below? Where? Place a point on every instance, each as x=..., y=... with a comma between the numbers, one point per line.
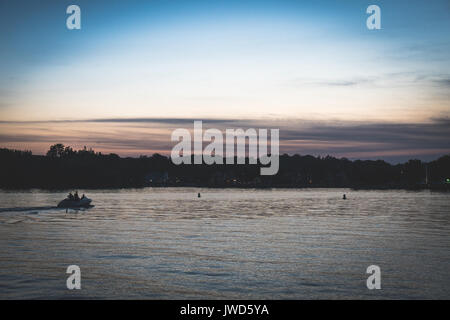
x=230, y=243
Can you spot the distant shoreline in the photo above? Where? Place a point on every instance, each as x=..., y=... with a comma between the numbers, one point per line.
x=437, y=188
x=66, y=169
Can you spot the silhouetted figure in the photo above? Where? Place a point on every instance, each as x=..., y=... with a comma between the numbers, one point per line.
x=76, y=197
x=344, y=197
x=199, y=195
x=83, y=196
x=70, y=196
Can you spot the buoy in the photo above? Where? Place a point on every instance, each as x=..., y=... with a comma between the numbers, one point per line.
x=344, y=197
x=199, y=195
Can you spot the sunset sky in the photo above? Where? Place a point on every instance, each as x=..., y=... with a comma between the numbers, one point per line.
x=139, y=69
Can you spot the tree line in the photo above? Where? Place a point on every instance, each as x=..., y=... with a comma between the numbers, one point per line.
x=65, y=168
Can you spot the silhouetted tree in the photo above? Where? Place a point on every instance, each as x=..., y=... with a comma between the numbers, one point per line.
x=56, y=151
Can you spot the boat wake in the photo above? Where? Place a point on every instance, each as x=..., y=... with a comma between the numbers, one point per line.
x=25, y=209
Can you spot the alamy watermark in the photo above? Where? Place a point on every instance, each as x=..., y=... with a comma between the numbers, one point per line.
x=374, y=280
x=235, y=147
x=73, y=21
x=373, y=22
x=74, y=280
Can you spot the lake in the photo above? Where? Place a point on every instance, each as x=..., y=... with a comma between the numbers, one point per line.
x=165, y=243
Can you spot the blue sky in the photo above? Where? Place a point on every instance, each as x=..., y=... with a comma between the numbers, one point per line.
x=305, y=60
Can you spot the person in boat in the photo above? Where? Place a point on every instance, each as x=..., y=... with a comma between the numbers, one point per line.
x=70, y=196
x=76, y=197
x=83, y=196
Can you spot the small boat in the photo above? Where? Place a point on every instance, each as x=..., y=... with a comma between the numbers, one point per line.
x=82, y=203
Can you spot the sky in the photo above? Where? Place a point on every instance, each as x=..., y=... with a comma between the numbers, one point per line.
x=139, y=69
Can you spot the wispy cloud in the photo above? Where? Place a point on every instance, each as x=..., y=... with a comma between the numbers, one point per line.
x=396, y=79
x=445, y=82
x=175, y=121
x=333, y=82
